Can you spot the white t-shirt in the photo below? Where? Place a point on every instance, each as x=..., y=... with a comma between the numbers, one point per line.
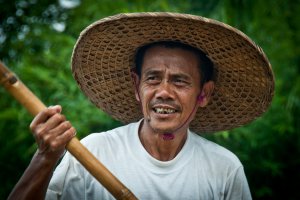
x=201, y=170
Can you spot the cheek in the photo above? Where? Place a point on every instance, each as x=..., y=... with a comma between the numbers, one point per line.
x=140, y=92
x=188, y=101
x=144, y=96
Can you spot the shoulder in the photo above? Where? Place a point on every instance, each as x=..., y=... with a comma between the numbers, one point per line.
x=114, y=138
x=214, y=153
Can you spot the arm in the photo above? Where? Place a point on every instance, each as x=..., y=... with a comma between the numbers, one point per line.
x=52, y=132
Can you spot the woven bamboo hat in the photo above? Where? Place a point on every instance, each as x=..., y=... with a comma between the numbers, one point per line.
x=104, y=55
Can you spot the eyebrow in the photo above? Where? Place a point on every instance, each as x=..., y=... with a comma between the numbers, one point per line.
x=173, y=75
x=152, y=72
x=181, y=76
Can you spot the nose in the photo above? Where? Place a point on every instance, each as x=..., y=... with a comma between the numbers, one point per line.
x=165, y=91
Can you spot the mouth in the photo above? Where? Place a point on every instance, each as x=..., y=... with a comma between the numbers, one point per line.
x=164, y=110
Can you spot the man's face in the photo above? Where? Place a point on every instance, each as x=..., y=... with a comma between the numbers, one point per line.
x=168, y=88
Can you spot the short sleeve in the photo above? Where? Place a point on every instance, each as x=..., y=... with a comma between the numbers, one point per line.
x=237, y=186
x=67, y=181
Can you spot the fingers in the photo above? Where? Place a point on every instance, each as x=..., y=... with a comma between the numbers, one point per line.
x=52, y=131
x=56, y=144
x=50, y=123
x=44, y=115
x=59, y=136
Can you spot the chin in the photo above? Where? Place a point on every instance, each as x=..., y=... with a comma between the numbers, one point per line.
x=163, y=127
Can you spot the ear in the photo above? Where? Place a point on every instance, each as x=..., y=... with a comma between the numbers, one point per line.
x=136, y=81
x=206, y=93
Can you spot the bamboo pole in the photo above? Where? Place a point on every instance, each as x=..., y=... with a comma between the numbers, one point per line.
x=22, y=94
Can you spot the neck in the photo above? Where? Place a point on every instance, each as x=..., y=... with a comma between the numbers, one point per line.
x=158, y=146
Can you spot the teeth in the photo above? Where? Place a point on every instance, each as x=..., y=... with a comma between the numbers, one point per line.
x=164, y=110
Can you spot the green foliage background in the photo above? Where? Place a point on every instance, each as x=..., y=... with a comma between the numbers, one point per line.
x=36, y=41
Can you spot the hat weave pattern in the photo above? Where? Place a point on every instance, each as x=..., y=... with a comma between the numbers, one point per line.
x=104, y=56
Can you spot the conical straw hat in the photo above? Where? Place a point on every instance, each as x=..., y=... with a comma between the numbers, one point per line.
x=104, y=56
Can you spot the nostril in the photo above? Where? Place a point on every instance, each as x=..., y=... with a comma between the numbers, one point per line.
x=164, y=96
x=165, y=92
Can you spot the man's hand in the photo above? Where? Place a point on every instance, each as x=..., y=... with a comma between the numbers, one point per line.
x=52, y=132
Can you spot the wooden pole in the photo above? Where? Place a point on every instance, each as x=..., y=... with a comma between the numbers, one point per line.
x=21, y=93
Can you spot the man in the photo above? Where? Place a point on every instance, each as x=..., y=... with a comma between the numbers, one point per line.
x=188, y=74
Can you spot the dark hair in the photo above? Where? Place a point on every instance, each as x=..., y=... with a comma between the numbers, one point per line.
x=206, y=67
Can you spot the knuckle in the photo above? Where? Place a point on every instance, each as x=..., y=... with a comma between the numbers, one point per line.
x=46, y=112
x=70, y=132
x=42, y=131
x=66, y=124
x=73, y=131
x=54, y=145
x=47, y=139
x=69, y=135
x=59, y=117
x=39, y=132
x=62, y=117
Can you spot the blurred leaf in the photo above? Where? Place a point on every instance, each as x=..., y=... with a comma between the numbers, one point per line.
x=36, y=42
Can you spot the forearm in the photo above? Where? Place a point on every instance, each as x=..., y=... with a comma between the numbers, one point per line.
x=34, y=182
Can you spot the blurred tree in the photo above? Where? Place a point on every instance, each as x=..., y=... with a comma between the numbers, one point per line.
x=36, y=41
x=34, y=44
x=270, y=147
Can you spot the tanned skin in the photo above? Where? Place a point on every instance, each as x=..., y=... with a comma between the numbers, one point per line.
x=52, y=132
x=167, y=90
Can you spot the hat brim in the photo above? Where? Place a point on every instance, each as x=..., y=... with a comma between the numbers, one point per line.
x=104, y=56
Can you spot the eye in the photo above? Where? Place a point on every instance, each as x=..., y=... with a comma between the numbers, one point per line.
x=152, y=79
x=180, y=82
